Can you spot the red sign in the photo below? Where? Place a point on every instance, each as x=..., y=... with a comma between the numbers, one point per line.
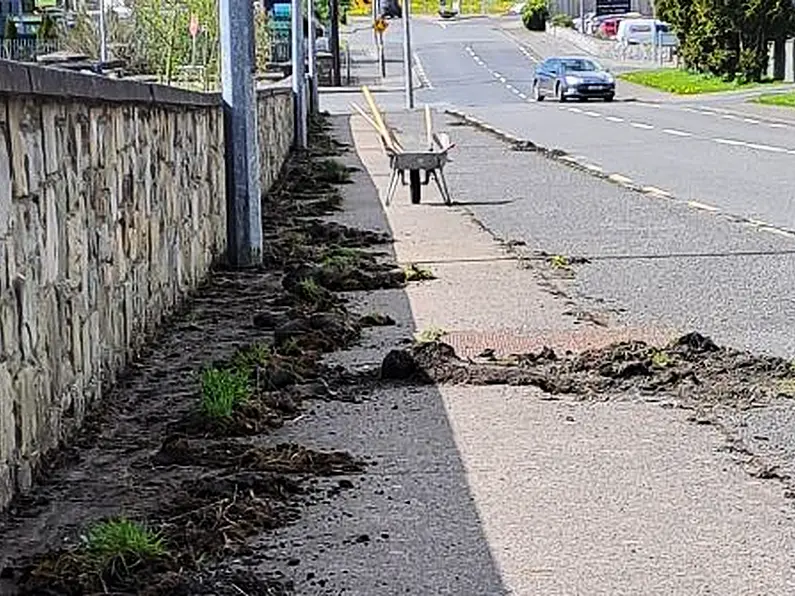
x=194, y=25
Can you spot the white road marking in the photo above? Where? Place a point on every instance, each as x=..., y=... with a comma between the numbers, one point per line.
x=750, y=121
x=778, y=231
x=592, y=167
x=770, y=148
x=613, y=119
x=442, y=25
x=496, y=74
x=729, y=117
x=677, y=133
x=421, y=75
x=593, y=114
x=620, y=179
x=503, y=79
x=641, y=125
x=702, y=206
x=575, y=110
x=653, y=190
x=758, y=222
x=523, y=96
x=731, y=142
x=778, y=125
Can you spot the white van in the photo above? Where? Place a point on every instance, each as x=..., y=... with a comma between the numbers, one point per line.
x=642, y=31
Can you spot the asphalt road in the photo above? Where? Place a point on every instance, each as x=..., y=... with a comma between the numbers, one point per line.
x=739, y=164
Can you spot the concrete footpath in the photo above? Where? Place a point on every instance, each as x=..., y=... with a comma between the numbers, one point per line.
x=520, y=493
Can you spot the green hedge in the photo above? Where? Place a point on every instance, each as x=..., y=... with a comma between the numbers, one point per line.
x=535, y=14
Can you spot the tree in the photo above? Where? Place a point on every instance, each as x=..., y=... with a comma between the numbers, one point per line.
x=728, y=38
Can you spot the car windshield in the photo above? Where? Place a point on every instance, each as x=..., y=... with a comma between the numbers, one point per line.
x=579, y=65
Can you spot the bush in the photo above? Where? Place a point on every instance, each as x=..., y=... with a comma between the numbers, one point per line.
x=562, y=20
x=535, y=14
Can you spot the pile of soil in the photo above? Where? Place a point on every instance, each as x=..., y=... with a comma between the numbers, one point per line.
x=693, y=369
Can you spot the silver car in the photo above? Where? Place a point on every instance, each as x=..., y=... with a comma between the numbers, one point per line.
x=573, y=77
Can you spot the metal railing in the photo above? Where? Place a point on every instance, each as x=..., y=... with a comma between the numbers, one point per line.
x=27, y=50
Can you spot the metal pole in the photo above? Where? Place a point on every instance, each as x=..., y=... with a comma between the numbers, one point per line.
x=243, y=212
x=381, y=57
x=312, y=74
x=103, y=37
x=582, y=16
x=299, y=80
x=336, y=66
x=407, y=54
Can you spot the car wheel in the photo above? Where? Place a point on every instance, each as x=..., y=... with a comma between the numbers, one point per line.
x=559, y=93
x=537, y=95
x=609, y=97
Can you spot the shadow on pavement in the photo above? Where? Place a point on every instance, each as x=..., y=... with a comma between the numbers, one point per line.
x=410, y=526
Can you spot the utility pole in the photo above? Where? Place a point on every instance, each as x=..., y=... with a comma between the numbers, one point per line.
x=314, y=97
x=299, y=79
x=103, y=35
x=243, y=211
x=407, y=54
x=336, y=63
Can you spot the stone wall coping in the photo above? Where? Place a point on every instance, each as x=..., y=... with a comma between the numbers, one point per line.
x=18, y=78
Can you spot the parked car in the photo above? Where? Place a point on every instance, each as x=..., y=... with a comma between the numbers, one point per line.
x=643, y=31
x=572, y=77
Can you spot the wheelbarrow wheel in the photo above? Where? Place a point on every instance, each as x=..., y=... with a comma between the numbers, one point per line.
x=415, y=187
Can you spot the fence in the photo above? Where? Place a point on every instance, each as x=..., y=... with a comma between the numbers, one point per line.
x=26, y=50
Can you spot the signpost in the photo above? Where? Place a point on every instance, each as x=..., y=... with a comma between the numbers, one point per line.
x=380, y=25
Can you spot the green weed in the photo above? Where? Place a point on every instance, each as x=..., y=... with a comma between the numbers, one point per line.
x=223, y=390
x=429, y=334
x=414, y=272
x=660, y=359
x=124, y=540
x=309, y=290
x=560, y=262
x=251, y=357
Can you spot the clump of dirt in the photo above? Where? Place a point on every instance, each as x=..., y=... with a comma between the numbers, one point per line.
x=208, y=517
x=376, y=319
x=285, y=458
x=692, y=368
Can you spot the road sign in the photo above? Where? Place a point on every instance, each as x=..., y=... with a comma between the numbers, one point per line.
x=380, y=25
x=605, y=7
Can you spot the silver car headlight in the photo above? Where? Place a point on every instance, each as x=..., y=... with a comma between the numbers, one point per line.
x=573, y=80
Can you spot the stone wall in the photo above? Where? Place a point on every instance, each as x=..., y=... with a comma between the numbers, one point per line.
x=112, y=208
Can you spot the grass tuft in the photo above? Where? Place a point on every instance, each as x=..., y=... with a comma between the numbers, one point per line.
x=223, y=390
x=683, y=82
x=560, y=262
x=660, y=359
x=784, y=100
x=429, y=335
x=310, y=290
x=123, y=539
x=251, y=357
x=414, y=272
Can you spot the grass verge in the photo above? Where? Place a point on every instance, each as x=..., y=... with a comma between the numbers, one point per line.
x=682, y=82
x=785, y=100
